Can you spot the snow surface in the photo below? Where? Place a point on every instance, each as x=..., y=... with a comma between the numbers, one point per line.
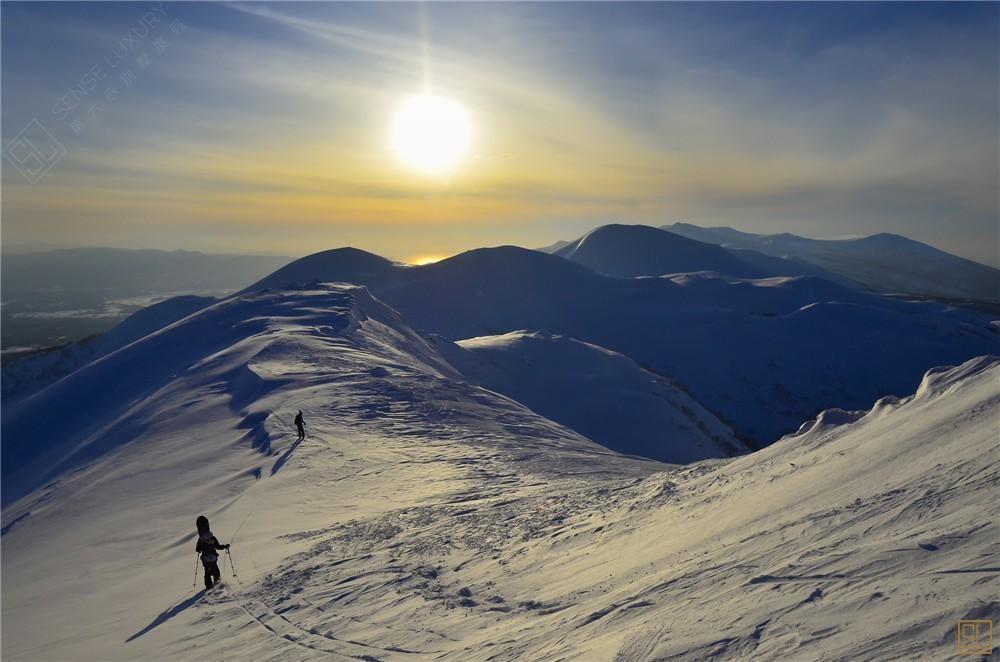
x=426, y=517
x=599, y=393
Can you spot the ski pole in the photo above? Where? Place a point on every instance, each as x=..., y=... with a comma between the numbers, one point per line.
x=231, y=565
x=195, y=582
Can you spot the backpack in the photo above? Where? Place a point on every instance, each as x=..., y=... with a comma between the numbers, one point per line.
x=206, y=545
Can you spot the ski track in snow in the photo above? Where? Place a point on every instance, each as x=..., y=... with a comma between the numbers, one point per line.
x=424, y=517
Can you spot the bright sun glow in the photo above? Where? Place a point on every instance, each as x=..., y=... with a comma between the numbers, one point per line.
x=431, y=133
x=421, y=260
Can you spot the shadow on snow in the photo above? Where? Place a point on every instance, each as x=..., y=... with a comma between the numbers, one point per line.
x=167, y=615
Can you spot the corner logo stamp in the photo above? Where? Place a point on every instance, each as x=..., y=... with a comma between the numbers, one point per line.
x=975, y=637
x=34, y=151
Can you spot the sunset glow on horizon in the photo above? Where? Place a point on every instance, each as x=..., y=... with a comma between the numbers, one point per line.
x=421, y=260
x=409, y=129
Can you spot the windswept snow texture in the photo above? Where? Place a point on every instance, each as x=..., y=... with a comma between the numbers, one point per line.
x=761, y=354
x=425, y=517
x=599, y=393
x=885, y=262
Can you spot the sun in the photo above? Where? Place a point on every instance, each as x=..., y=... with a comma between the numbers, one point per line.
x=431, y=134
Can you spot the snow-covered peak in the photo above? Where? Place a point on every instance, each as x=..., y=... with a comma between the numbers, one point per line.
x=343, y=265
x=640, y=250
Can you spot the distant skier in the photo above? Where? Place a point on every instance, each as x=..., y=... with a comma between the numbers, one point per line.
x=207, y=545
x=300, y=423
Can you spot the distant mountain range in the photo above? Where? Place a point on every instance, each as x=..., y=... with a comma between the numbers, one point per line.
x=53, y=297
x=57, y=296
x=125, y=272
x=884, y=262
x=641, y=250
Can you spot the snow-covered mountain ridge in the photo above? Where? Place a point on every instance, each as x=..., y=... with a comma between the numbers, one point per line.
x=761, y=354
x=426, y=517
x=196, y=417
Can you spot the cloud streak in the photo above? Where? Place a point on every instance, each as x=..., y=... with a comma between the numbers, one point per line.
x=274, y=120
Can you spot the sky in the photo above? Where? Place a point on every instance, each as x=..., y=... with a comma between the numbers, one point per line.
x=265, y=127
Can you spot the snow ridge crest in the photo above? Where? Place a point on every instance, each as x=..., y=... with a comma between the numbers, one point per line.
x=936, y=382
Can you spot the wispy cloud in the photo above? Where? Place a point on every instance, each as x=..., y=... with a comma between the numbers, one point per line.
x=273, y=120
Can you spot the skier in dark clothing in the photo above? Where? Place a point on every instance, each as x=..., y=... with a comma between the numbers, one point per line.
x=207, y=545
x=300, y=423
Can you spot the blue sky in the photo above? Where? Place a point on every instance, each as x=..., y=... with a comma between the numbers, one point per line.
x=263, y=127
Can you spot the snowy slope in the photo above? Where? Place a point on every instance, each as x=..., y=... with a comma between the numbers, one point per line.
x=31, y=373
x=427, y=518
x=104, y=470
x=864, y=542
x=110, y=402
x=885, y=262
x=599, y=393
